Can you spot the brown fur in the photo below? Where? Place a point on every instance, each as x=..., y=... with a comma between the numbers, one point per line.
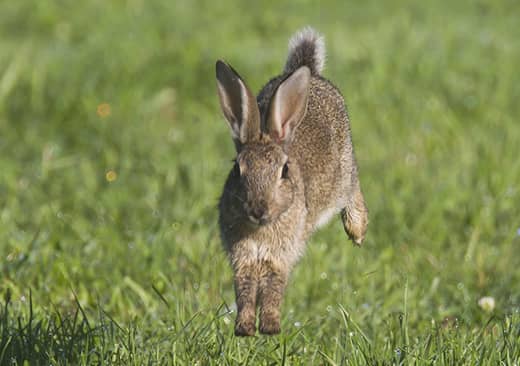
x=294, y=169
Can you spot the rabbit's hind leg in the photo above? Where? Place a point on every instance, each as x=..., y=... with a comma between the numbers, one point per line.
x=355, y=217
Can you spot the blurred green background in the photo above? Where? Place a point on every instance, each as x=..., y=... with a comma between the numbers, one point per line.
x=113, y=154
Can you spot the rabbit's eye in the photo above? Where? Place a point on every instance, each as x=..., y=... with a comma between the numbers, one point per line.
x=285, y=171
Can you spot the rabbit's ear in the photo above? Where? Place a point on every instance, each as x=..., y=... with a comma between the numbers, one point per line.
x=238, y=104
x=289, y=105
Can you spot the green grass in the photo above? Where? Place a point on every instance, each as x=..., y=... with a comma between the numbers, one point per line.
x=109, y=247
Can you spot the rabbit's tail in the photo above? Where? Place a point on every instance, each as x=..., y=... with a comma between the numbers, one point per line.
x=306, y=48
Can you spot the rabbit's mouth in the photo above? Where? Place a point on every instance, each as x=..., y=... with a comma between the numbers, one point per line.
x=257, y=214
x=258, y=221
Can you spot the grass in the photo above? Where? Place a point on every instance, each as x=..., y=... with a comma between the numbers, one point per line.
x=113, y=153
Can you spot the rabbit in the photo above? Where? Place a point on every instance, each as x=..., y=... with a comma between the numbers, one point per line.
x=294, y=169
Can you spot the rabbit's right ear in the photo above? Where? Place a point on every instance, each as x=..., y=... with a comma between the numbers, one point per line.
x=238, y=105
x=289, y=105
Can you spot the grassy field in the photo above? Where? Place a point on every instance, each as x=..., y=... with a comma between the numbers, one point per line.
x=113, y=153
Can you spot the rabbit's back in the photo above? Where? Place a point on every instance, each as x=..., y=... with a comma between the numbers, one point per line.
x=323, y=149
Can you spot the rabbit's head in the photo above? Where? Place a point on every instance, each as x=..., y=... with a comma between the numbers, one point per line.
x=266, y=179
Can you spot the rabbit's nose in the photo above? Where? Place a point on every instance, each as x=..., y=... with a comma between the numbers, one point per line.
x=258, y=215
x=258, y=212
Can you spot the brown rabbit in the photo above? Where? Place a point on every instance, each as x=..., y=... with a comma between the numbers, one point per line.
x=294, y=170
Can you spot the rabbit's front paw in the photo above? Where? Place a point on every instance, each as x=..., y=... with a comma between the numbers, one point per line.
x=270, y=324
x=245, y=327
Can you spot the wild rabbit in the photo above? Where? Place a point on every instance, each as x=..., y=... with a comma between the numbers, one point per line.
x=294, y=169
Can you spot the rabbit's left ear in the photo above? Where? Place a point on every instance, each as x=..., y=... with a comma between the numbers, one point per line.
x=289, y=105
x=238, y=105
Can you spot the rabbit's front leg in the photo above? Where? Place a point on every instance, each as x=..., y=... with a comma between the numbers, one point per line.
x=245, y=292
x=271, y=287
